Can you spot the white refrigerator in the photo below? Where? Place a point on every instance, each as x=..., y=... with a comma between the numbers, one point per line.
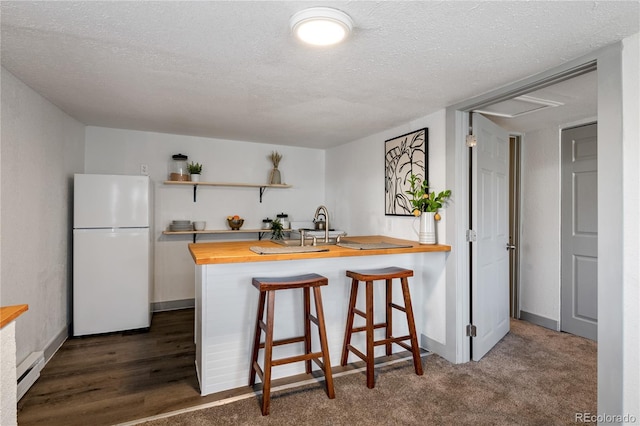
x=112, y=253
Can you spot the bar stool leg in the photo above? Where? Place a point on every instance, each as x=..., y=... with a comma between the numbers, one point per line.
x=369, y=326
x=388, y=315
x=415, y=349
x=268, y=350
x=349, y=328
x=256, y=339
x=324, y=346
x=307, y=328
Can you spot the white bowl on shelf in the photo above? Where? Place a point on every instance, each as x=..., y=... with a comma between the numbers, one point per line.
x=199, y=225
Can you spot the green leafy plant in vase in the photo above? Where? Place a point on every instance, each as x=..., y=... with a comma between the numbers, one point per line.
x=276, y=230
x=422, y=200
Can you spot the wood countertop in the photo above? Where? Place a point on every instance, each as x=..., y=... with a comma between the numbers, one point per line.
x=239, y=251
x=9, y=313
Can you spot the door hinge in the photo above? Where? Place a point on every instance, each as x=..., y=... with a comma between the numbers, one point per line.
x=471, y=235
x=471, y=330
x=471, y=141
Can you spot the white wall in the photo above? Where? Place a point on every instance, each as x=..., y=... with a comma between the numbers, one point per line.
x=116, y=151
x=540, y=224
x=355, y=181
x=41, y=149
x=355, y=197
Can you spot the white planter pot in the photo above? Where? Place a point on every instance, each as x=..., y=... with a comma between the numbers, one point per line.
x=195, y=177
x=427, y=230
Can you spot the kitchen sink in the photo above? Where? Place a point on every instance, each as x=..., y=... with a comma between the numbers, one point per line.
x=307, y=242
x=290, y=243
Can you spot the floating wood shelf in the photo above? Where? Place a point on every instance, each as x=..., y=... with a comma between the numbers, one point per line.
x=260, y=232
x=195, y=185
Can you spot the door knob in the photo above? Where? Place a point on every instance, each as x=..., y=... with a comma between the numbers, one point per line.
x=510, y=247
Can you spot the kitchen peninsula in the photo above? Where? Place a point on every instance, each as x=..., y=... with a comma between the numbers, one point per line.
x=226, y=302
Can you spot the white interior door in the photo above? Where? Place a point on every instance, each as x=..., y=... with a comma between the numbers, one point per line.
x=490, y=221
x=579, y=306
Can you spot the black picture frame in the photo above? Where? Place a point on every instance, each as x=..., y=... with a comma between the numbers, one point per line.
x=404, y=155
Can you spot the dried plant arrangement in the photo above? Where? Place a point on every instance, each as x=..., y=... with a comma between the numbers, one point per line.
x=275, y=158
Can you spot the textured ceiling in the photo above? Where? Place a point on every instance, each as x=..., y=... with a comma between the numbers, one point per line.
x=231, y=70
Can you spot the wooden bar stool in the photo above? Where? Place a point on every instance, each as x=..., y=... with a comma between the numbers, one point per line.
x=268, y=288
x=369, y=276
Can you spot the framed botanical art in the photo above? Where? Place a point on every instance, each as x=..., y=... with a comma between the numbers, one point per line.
x=404, y=155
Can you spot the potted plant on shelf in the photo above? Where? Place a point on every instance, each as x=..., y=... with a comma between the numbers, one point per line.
x=194, y=170
x=276, y=230
x=426, y=205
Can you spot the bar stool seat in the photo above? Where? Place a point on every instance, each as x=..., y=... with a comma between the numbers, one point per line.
x=268, y=287
x=369, y=276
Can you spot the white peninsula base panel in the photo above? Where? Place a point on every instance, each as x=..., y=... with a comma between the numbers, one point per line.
x=226, y=304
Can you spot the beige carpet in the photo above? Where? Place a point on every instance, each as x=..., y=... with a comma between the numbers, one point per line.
x=534, y=376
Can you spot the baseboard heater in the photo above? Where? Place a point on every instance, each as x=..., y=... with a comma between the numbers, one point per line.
x=28, y=372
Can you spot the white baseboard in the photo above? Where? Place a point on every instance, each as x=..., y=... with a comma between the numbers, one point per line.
x=540, y=320
x=28, y=372
x=173, y=305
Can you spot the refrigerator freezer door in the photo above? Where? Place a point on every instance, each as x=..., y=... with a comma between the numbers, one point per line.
x=111, y=280
x=111, y=201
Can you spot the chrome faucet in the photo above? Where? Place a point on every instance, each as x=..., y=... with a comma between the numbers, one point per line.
x=326, y=218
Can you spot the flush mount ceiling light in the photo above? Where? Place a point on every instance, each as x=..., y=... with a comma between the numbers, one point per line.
x=321, y=26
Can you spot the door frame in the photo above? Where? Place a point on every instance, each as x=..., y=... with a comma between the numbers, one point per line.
x=515, y=150
x=609, y=62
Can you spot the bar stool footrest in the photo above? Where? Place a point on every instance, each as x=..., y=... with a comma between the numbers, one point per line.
x=364, y=327
x=319, y=363
x=357, y=353
x=359, y=312
x=405, y=346
x=398, y=307
x=259, y=371
x=285, y=341
x=396, y=340
x=296, y=358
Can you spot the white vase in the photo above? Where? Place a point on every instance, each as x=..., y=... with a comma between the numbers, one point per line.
x=427, y=231
x=195, y=177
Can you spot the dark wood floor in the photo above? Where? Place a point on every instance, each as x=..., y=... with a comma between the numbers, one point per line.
x=122, y=377
x=108, y=379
